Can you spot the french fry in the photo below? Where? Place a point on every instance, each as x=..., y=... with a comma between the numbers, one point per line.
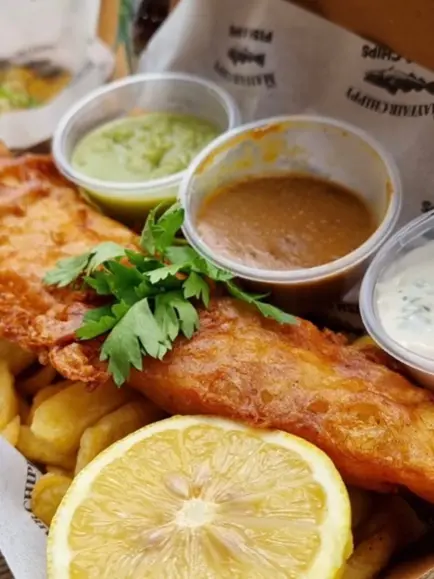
x=23, y=409
x=371, y=556
x=12, y=431
x=367, y=346
x=361, y=505
x=17, y=358
x=47, y=392
x=51, y=469
x=113, y=427
x=43, y=377
x=421, y=568
x=43, y=395
x=364, y=342
x=62, y=419
x=8, y=397
x=47, y=495
x=392, y=525
x=39, y=450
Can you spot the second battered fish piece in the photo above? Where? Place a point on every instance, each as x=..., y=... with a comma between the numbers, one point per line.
x=375, y=425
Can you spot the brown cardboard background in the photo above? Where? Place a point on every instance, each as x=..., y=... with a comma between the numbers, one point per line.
x=406, y=26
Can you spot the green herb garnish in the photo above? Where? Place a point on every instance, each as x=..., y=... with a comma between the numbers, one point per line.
x=151, y=296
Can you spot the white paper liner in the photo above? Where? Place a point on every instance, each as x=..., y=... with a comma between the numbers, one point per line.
x=23, y=537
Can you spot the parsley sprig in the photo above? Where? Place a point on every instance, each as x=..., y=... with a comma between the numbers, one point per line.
x=151, y=295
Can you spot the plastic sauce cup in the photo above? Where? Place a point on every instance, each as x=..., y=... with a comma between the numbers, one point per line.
x=311, y=145
x=416, y=234
x=159, y=92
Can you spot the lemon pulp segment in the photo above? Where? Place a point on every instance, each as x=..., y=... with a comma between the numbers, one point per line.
x=197, y=497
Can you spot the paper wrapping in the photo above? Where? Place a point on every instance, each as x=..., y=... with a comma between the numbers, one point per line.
x=23, y=537
x=57, y=31
x=276, y=58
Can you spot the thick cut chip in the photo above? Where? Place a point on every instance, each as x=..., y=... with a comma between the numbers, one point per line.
x=203, y=497
x=391, y=525
x=48, y=392
x=43, y=395
x=17, y=358
x=47, y=495
x=362, y=504
x=113, y=427
x=62, y=419
x=23, y=409
x=12, y=431
x=51, y=469
x=39, y=379
x=41, y=451
x=364, y=342
x=8, y=397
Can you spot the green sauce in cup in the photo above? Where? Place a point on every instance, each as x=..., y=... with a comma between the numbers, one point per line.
x=142, y=148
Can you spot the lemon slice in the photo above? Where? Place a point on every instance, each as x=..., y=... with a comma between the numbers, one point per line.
x=203, y=498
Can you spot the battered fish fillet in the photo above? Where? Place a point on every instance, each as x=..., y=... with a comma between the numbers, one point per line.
x=376, y=426
x=42, y=219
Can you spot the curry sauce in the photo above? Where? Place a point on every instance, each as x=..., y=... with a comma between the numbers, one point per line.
x=284, y=222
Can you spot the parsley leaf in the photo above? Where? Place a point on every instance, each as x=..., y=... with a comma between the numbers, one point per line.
x=168, y=226
x=96, y=322
x=266, y=310
x=148, y=304
x=181, y=255
x=144, y=289
x=163, y=273
x=135, y=335
x=188, y=255
x=120, y=309
x=210, y=270
x=142, y=262
x=159, y=234
x=172, y=306
x=67, y=270
x=147, y=240
x=196, y=287
x=98, y=282
x=270, y=311
x=187, y=314
x=123, y=281
x=102, y=253
x=166, y=316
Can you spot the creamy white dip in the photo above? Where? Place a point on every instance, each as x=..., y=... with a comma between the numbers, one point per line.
x=405, y=300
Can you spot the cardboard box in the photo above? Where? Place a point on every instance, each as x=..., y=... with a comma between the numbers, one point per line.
x=405, y=26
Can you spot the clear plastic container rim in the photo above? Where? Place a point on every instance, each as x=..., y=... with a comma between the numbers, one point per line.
x=112, y=188
x=368, y=309
x=298, y=275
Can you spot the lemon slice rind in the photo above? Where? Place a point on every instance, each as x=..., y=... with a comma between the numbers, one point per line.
x=335, y=530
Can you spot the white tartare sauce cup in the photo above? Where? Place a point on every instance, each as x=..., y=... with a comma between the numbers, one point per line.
x=397, y=298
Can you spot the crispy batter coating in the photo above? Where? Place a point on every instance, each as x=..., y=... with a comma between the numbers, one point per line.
x=376, y=426
x=42, y=219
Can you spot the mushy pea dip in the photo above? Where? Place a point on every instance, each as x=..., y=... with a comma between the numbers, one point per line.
x=142, y=147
